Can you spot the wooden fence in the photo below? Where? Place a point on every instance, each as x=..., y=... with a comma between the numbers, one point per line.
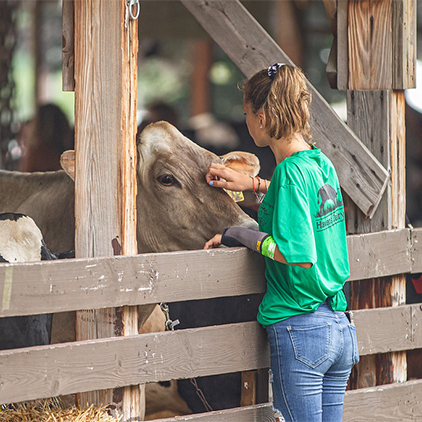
x=56, y=286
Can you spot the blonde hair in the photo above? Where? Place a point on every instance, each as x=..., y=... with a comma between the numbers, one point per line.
x=284, y=99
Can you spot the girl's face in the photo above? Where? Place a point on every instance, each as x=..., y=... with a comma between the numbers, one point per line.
x=255, y=123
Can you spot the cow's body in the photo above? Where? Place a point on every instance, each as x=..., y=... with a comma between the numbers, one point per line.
x=48, y=198
x=176, y=208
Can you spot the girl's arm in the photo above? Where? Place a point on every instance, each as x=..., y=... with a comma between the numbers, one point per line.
x=257, y=241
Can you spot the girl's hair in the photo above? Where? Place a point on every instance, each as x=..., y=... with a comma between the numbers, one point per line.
x=283, y=98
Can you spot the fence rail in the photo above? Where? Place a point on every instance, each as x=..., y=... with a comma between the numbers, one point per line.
x=94, y=283
x=56, y=286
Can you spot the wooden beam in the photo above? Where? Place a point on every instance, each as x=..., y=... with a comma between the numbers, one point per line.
x=120, y=361
x=372, y=254
x=393, y=403
x=68, y=285
x=68, y=51
x=106, y=46
x=383, y=330
x=404, y=31
x=417, y=250
x=251, y=49
x=370, y=47
x=48, y=371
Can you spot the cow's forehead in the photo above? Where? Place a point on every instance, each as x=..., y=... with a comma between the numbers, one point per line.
x=163, y=139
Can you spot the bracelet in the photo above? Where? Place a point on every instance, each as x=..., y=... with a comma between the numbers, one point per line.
x=253, y=184
x=266, y=184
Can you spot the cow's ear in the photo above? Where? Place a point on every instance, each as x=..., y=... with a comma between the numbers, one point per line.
x=67, y=161
x=243, y=162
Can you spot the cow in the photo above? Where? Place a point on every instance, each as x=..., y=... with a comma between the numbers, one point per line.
x=21, y=241
x=176, y=208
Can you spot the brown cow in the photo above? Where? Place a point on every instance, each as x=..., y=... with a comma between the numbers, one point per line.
x=176, y=208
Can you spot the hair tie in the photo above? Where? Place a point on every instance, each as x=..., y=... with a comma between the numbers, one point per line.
x=272, y=70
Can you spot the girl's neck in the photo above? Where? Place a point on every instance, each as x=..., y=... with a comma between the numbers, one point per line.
x=285, y=147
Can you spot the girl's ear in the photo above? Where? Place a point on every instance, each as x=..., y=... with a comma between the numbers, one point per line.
x=242, y=162
x=262, y=119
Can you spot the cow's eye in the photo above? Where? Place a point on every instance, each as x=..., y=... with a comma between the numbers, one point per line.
x=166, y=179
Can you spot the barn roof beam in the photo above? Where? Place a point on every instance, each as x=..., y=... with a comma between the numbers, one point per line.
x=251, y=48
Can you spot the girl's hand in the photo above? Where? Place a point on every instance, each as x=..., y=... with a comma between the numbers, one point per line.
x=215, y=242
x=220, y=176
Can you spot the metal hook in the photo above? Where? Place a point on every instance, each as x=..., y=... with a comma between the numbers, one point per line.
x=131, y=4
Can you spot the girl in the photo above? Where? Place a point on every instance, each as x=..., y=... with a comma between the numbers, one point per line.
x=303, y=239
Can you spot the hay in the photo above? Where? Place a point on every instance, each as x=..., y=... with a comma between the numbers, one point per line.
x=51, y=411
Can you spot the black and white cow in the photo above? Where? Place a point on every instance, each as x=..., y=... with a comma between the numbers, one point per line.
x=21, y=241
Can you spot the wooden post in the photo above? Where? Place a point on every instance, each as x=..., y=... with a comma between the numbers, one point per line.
x=68, y=51
x=202, y=58
x=375, y=36
x=106, y=46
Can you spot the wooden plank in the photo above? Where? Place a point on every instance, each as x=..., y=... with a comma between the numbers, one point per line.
x=106, y=47
x=379, y=254
x=48, y=371
x=248, y=390
x=57, y=286
x=404, y=31
x=331, y=11
x=368, y=115
x=342, y=45
x=383, y=330
x=261, y=413
x=371, y=67
x=251, y=49
x=68, y=52
x=370, y=44
x=65, y=285
x=393, y=403
x=417, y=250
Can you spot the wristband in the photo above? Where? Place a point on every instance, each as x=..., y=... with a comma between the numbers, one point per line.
x=268, y=247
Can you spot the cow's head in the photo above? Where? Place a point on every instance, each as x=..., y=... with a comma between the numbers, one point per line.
x=177, y=210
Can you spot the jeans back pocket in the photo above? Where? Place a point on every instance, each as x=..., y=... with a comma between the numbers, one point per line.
x=311, y=344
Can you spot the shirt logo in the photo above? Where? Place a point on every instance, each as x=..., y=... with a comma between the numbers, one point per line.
x=331, y=209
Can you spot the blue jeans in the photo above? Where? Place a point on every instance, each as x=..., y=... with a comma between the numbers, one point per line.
x=311, y=359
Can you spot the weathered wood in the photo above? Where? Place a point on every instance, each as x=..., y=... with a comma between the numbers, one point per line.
x=336, y=69
x=68, y=52
x=368, y=115
x=385, y=330
x=47, y=371
x=116, y=281
x=393, y=403
x=248, y=388
x=106, y=47
x=342, y=45
x=370, y=44
x=252, y=49
x=404, y=32
x=66, y=285
x=371, y=255
x=417, y=250
x=258, y=413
